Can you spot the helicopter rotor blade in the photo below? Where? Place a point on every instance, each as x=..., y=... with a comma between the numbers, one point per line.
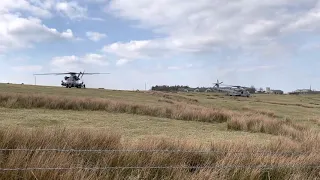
x=94, y=73
x=52, y=74
x=228, y=85
x=82, y=74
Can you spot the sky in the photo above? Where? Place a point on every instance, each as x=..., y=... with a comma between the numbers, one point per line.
x=174, y=42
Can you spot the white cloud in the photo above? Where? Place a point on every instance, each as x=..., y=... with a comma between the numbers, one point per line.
x=308, y=21
x=75, y=62
x=206, y=25
x=140, y=49
x=65, y=60
x=174, y=67
x=123, y=61
x=47, y=8
x=95, y=59
x=255, y=68
x=71, y=9
x=131, y=49
x=180, y=67
x=67, y=34
x=19, y=32
x=30, y=68
x=96, y=19
x=95, y=36
x=74, y=11
x=95, y=1
x=35, y=7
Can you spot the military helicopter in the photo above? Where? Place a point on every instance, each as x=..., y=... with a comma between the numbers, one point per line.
x=231, y=90
x=74, y=80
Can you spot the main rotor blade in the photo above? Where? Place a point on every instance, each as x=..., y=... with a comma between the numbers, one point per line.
x=231, y=85
x=53, y=74
x=70, y=73
x=94, y=73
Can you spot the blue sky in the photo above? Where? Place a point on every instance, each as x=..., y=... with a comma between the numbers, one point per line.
x=247, y=42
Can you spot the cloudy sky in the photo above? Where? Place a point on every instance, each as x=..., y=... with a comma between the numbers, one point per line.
x=241, y=42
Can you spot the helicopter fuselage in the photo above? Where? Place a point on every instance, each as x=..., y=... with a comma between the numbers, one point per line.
x=72, y=81
x=234, y=91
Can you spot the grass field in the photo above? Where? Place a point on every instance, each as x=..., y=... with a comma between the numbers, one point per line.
x=143, y=119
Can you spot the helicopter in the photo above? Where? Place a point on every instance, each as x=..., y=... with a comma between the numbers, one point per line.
x=74, y=80
x=231, y=90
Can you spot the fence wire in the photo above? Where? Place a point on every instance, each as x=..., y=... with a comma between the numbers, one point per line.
x=217, y=167
x=162, y=151
x=223, y=167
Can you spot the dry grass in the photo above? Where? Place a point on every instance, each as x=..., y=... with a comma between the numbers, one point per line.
x=224, y=155
x=290, y=104
x=263, y=124
x=166, y=101
x=174, y=97
x=180, y=111
x=255, y=121
x=315, y=120
x=131, y=127
x=262, y=112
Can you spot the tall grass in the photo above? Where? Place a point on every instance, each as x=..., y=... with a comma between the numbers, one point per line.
x=228, y=156
x=180, y=111
x=265, y=124
x=251, y=121
x=174, y=97
x=289, y=104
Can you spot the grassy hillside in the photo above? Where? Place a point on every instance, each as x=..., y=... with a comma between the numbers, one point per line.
x=304, y=108
x=131, y=127
x=205, y=120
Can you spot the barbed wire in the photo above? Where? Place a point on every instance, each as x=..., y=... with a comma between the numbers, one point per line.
x=165, y=151
x=264, y=167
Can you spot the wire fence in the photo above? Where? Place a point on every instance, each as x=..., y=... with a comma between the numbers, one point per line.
x=223, y=167
x=164, y=151
x=215, y=167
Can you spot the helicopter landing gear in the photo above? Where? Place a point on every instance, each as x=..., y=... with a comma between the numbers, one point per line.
x=68, y=86
x=82, y=85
